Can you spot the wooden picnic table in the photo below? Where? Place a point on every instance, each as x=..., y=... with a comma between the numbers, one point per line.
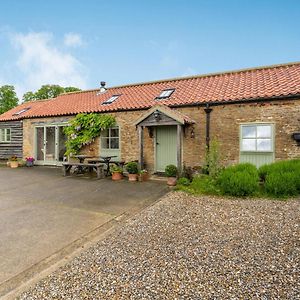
x=107, y=161
x=82, y=157
x=82, y=167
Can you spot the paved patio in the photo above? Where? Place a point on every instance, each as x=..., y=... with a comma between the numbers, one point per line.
x=42, y=213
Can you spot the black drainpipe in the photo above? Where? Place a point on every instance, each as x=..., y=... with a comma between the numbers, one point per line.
x=207, y=110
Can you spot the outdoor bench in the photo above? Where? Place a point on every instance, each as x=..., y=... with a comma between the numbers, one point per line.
x=82, y=167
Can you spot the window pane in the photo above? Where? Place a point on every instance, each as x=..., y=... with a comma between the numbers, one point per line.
x=105, y=143
x=264, y=131
x=104, y=133
x=8, y=135
x=114, y=143
x=248, y=145
x=248, y=131
x=114, y=132
x=1, y=135
x=264, y=145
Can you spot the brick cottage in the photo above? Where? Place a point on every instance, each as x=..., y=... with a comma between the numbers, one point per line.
x=253, y=114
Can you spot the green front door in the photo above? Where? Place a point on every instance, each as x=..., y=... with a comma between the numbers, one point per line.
x=166, y=147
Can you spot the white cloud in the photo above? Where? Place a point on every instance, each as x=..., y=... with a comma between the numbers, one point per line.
x=73, y=40
x=41, y=62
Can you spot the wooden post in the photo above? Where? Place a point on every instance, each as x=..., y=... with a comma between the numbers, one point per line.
x=179, y=146
x=141, y=146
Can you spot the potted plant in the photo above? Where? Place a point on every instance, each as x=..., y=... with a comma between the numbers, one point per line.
x=171, y=173
x=13, y=162
x=132, y=169
x=143, y=175
x=116, y=172
x=29, y=161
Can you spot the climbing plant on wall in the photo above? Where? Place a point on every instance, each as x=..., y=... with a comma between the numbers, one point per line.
x=84, y=128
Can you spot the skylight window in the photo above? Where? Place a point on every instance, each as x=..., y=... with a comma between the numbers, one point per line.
x=21, y=111
x=112, y=99
x=165, y=94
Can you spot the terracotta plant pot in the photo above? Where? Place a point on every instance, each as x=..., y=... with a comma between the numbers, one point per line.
x=132, y=177
x=171, y=181
x=116, y=176
x=144, y=177
x=14, y=164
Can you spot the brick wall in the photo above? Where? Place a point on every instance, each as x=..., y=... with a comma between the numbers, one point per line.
x=225, y=121
x=225, y=124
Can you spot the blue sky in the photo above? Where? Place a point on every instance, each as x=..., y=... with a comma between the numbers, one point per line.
x=81, y=43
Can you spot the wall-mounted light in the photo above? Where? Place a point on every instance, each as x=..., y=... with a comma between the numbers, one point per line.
x=150, y=132
x=296, y=137
x=156, y=115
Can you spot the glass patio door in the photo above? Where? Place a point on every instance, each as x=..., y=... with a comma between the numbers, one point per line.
x=50, y=145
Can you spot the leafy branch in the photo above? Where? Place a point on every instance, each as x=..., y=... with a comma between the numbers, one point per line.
x=84, y=128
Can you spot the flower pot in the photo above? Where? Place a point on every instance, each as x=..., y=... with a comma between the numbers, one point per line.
x=143, y=177
x=116, y=176
x=132, y=177
x=171, y=181
x=14, y=164
x=29, y=163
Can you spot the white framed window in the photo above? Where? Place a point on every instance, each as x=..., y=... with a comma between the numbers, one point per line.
x=257, y=138
x=110, y=138
x=165, y=94
x=111, y=99
x=5, y=135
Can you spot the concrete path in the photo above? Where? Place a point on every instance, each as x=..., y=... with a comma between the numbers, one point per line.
x=42, y=213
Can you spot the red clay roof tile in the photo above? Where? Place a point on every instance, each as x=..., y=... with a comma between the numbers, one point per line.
x=264, y=82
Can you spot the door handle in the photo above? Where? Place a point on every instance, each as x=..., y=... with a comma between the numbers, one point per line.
x=157, y=143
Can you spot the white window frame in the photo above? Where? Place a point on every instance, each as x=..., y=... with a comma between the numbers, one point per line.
x=256, y=138
x=166, y=93
x=4, y=135
x=109, y=137
x=112, y=99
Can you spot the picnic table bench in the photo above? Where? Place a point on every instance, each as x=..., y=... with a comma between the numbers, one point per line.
x=107, y=161
x=82, y=167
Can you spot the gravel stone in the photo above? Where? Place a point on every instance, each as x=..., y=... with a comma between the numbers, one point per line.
x=188, y=247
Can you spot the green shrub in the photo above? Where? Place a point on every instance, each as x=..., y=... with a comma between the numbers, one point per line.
x=212, y=165
x=281, y=178
x=204, y=184
x=171, y=171
x=239, y=180
x=183, y=181
x=132, y=167
x=282, y=184
x=282, y=166
x=263, y=171
x=116, y=169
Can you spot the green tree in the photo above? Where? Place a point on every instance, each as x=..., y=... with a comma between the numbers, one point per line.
x=48, y=91
x=70, y=89
x=29, y=96
x=8, y=98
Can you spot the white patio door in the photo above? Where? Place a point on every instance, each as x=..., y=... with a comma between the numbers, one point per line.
x=50, y=145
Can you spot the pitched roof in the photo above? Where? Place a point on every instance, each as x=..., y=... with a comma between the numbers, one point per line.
x=264, y=82
x=174, y=114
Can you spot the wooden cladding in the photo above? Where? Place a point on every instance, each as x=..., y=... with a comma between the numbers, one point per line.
x=15, y=146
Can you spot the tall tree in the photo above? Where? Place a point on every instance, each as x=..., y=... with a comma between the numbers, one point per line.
x=8, y=98
x=48, y=91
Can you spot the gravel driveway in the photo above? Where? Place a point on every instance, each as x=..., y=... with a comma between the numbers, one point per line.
x=187, y=247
